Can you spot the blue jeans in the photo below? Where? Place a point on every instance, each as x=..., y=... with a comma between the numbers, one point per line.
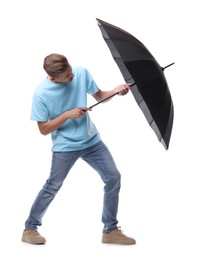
x=98, y=157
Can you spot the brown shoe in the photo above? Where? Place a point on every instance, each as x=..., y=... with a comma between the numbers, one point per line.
x=116, y=236
x=32, y=236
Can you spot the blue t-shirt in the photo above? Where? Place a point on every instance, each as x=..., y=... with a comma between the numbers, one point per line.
x=51, y=100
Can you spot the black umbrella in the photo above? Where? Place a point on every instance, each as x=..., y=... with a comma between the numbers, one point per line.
x=142, y=71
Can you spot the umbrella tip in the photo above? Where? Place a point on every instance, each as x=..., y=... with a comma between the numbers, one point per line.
x=163, y=68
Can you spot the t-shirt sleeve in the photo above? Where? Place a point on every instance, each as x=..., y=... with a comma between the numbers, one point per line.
x=91, y=84
x=39, y=110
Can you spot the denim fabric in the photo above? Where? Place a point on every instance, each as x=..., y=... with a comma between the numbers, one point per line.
x=98, y=157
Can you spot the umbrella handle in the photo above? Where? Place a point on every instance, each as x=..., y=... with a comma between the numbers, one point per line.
x=132, y=84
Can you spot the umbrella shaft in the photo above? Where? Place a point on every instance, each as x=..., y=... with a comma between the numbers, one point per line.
x=132, y=84
x=104, y=100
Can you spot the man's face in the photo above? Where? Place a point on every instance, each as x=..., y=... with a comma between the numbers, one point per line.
x=66, y=76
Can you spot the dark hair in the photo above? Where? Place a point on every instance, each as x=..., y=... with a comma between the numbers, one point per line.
x=55, y=64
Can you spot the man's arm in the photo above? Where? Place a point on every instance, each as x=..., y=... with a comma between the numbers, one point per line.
x=52, y=125
x=121, y=90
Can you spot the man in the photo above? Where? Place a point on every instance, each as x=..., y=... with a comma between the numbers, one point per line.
x=60, y=108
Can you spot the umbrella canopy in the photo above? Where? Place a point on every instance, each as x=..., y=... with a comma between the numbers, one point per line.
x=140, y=68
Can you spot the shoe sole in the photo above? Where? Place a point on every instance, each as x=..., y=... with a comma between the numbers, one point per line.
x=28, y=242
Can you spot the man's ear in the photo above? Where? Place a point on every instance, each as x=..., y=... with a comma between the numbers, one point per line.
x=52, y=78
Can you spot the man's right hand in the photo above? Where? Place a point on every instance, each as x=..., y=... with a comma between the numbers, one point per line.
x=77, y=112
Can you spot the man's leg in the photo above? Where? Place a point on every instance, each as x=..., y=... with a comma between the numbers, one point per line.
x=61, y=164
x=99, y=157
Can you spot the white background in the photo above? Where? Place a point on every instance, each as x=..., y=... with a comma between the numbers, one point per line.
x=158, y=199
